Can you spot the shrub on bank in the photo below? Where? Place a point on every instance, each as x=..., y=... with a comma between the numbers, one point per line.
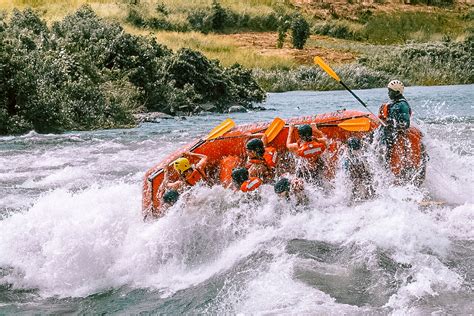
x=84, y=73
x=214, y=18
x=299, y=31
x=313, y=78
x=427, y=64
x=416, y=64
x=394, y=28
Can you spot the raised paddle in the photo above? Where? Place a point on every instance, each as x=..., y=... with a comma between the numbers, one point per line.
x=216, y=132
x=274, y=129
x=319, y=61
x=220, y=129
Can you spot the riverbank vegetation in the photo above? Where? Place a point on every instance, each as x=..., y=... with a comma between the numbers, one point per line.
x=64, y=66
x=85, y=73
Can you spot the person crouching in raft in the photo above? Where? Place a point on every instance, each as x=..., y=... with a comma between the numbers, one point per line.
x=395, y=114
x=358, y=171
x=189, y=175
x=309, y=148
x=168, y=199
x=261, y=160
x=242, y=181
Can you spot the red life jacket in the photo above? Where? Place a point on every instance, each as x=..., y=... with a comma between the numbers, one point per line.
x=194, y=177
x=312, y=149
x=251, y=184
x=269, y=158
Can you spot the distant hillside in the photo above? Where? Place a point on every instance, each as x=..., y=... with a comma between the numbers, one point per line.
x=247, y=31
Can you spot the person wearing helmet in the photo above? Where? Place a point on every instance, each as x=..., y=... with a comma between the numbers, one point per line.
x=242, y=181
x=358, y=171
x=311, y=144
x=286, y=188
x=168, y=199
x=396, y=113
x=189, y=175
x=261, y=160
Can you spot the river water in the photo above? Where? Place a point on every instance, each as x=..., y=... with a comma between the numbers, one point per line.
x=72, y=239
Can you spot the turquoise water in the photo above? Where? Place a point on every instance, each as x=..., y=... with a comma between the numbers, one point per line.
x=72, y=239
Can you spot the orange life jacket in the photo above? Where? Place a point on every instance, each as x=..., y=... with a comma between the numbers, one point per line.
x=269, y=158
x=407, y=152
x=227, y=164
x=312, y=149
x=194, y=177
x=251, y=184
x=383, y=112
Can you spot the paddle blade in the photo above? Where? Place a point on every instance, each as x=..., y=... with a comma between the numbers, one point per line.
x=361, y=124
x=274, y=128
x=319, y=61
x=221, y=129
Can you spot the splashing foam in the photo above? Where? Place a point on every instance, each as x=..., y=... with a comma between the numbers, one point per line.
x=77, y=244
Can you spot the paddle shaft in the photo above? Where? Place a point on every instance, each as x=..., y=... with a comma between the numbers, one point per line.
x=361, y=102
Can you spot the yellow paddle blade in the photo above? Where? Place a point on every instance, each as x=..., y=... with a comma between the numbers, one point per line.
x=319, y=61
x=221, y=129
x=274, y=128
x=361, y=124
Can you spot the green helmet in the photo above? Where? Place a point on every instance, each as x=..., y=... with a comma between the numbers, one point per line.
x=255, y=144
x=240, y=175
x=282, y=185
x=305, y=131
x=171, y=196
x=354, y=143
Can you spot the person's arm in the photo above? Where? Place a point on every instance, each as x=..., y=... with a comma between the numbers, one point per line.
x=318, y=135
x=177, y=185
x=262, y=136
x=166, y=184
x=290, y=145
x=201, y=165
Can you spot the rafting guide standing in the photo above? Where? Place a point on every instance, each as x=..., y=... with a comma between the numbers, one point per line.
x=395, y=114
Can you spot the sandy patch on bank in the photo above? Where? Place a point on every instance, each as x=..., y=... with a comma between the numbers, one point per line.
x=264, y=43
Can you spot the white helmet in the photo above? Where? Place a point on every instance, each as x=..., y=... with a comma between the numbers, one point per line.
x=396, y=85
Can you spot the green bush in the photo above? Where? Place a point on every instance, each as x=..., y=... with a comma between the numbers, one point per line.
x=313, y=78
x=218, y=16
x=427, y=64
x=299, y=31
x=210, y=82
x=398, y=28
x=437, y=3
x=416, y=64
x=219, y=19
x=337, y=30
x=84, y=73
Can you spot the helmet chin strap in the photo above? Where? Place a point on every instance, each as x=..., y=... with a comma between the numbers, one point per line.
x=393, y=95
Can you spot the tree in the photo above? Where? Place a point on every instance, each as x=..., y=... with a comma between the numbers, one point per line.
x=299, y=31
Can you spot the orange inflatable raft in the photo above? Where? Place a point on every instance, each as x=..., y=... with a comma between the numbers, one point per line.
x=228, y=151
